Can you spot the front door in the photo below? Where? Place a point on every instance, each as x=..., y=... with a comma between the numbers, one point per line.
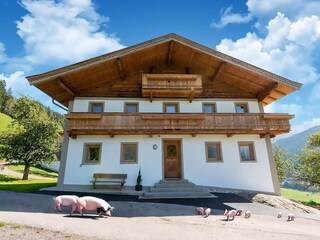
x=172, y=162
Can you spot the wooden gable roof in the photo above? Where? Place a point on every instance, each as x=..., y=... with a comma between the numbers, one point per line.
x=119, y=73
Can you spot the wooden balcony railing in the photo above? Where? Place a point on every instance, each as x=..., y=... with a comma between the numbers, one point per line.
x=171, y=85
x=178, y=123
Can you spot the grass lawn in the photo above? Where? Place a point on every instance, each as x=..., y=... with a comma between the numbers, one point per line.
x=4, y=121
x=36, y=170
x=10, y=183
x=307, y=198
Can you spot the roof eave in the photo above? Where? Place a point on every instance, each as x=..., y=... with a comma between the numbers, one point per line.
x=35, y=79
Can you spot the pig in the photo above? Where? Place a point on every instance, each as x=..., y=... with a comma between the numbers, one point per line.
x=279, y=215
x=200, y=210
x=247, y=214
x=239, y=212
x=89, y=203
x=65, y=200
x=230, y=214
x=207, y=212
x=291, y=217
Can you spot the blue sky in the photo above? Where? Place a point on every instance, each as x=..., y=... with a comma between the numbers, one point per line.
x=282, y=36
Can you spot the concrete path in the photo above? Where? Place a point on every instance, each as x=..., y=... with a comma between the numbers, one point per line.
x=169, y=219
x=6, y=171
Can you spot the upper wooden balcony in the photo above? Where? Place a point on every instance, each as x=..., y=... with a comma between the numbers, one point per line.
x=177, y=123
x=171, y=85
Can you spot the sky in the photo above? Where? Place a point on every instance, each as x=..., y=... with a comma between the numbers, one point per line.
x=281, y=36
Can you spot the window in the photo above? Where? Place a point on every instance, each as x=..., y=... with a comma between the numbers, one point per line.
x=92, y=153
x=129, y=152
x=209, y=108
x=96, y=107
x=131, y=107
x=213, y=151
x=170, y=107
x=241, y=107
x=247, y=151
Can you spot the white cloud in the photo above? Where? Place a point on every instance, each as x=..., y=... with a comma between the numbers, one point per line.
x=263, y=11
x=16, y=81
x=296, y=128
x=63, y=32
x=3, y=56
x=291, y=108
x=305, y=31
x=20, y=87
x=268, y=8
x=315, y=94
x=227, y=17
x=283, y=50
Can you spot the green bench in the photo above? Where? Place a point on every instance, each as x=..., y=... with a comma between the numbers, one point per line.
x=105, y=180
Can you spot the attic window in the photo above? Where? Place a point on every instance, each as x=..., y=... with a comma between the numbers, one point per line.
x=209, y=108
x=131, y=107
x=171, y=107
x=241, y=107
x=96, y=107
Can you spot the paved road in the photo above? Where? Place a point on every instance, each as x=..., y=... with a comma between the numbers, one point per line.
x=134, y=218
x=131, y=206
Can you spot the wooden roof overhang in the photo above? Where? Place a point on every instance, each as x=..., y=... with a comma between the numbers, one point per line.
x=119, y=74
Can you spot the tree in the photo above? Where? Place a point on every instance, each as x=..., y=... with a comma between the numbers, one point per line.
x=8, y=109
x=283, y=164
x=5, y=95
x=307, y=170
x=33, y=136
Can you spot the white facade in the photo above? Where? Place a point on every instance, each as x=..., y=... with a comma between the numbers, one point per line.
x=117, y=105
x=231, y=172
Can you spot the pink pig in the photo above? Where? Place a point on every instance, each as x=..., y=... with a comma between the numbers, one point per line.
x=200, y=210
x=230, y=214
x=291, y=217
x=247, y=214
x=65, y=200
x=89, y=203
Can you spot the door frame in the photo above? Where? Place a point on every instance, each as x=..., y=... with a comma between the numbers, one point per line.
x=181, y=156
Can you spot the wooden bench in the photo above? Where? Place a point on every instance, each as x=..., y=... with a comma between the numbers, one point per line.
x=108, y=180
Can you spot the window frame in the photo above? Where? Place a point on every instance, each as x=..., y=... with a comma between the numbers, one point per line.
x=86, y=147
x=92, y=104
x=122, y=153
x=220, y=157
x=126, y=104
x=251, y=149
x=245, y=104
x=176, y=104
x=212, y=104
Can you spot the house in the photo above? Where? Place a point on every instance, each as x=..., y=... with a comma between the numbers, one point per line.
x=174, y=108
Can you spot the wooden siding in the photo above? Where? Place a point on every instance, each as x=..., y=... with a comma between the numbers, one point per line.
x=171, y=85
x=178, y=123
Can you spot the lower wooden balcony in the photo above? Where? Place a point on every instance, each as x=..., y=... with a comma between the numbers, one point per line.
x=177, y=123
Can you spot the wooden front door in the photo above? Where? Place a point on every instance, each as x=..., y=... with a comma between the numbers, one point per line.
x=172, y=161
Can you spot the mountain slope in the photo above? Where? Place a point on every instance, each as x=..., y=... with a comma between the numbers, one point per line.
x=296, y=141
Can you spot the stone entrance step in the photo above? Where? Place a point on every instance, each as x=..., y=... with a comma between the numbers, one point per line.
x=176, y=189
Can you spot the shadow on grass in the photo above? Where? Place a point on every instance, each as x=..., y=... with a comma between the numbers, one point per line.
x=6, y=178
x=311, y=204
